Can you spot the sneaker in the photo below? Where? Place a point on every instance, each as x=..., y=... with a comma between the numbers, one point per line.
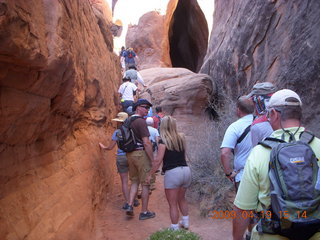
x=173, y=229
x=147, y=215
x=125, y=206
x=136, y=203
x=184, y=225
x=129, y=211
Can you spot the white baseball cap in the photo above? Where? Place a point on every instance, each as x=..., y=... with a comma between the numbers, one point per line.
x=149, y=120
x=284, y=97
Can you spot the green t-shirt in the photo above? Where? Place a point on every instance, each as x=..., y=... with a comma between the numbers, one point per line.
x=254, y=189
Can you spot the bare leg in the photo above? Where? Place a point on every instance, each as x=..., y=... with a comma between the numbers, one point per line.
x=124, y=185
x=183, y=205
x=133, y=192
x=172, y=197
x=145, y=198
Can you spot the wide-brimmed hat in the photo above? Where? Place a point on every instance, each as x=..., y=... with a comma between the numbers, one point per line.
x=121, y=117
x=284, y=97
x=263, y=88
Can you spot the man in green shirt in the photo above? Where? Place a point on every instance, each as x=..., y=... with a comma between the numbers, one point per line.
x=284, y=113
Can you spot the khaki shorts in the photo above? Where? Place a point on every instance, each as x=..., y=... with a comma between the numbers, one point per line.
x=122, y=164
x=139, y=167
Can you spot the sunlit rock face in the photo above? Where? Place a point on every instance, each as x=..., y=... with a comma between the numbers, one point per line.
x=276, y=41
x=58, y=82
x=178, y=39
x=147, y=39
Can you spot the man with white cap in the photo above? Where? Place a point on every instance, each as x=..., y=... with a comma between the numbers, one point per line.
x=260, y=95
x=284, y=114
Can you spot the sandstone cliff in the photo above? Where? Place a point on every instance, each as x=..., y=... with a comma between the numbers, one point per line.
x=275, y=41
x=58, y=79
x=255, y=41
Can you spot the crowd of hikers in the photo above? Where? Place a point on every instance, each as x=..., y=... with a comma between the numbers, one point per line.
x=267, y=153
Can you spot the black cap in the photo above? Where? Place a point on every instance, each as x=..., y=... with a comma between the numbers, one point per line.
x=141, y=101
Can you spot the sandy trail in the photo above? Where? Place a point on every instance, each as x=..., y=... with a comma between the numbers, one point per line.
x=115, y=225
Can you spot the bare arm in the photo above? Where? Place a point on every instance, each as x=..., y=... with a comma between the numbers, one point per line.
x=159, y=158
x=240, y=223
x=140, y=79
x=111, y=145
x=148, y=147
x=226, y=159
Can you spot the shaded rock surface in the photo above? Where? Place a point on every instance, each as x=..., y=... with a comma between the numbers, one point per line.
x=275, y=41
x=188, y=36
x=256, y=41
x=58, y=83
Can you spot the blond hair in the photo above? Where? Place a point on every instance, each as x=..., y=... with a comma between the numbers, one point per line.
x=170, y=136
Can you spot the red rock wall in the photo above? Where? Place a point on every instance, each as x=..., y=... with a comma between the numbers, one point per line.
x=58, y=82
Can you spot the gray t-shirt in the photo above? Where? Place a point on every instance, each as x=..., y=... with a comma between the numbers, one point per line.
x=259, y=131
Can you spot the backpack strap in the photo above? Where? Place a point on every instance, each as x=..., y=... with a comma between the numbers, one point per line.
x=270, y=142
x=306, y=137
x=244, y=134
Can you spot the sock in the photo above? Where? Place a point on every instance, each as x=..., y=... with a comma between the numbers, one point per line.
x=185, y=221
x=174, y=226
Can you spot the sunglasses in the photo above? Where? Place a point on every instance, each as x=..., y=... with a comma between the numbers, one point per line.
x=146, y=107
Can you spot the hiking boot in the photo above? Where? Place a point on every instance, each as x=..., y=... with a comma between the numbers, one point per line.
x=136, y=203
x=129, y=210
x=125, y=206
x=147, y=215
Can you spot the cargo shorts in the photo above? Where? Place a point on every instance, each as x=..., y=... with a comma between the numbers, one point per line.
x=139, y=167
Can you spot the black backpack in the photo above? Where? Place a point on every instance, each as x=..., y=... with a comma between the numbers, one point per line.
x=127, y=142
x=295, y=202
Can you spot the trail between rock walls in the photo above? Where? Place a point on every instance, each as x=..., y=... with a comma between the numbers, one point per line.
x=113, y=223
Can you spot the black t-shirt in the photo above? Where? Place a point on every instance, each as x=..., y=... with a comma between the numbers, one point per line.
x=173, y=159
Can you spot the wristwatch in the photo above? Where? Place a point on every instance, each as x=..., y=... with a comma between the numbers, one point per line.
x=228, y=175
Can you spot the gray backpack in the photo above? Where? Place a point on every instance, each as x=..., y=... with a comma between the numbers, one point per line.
x=295, y=203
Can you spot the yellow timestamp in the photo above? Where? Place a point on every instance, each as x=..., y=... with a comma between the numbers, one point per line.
x=252, y=214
